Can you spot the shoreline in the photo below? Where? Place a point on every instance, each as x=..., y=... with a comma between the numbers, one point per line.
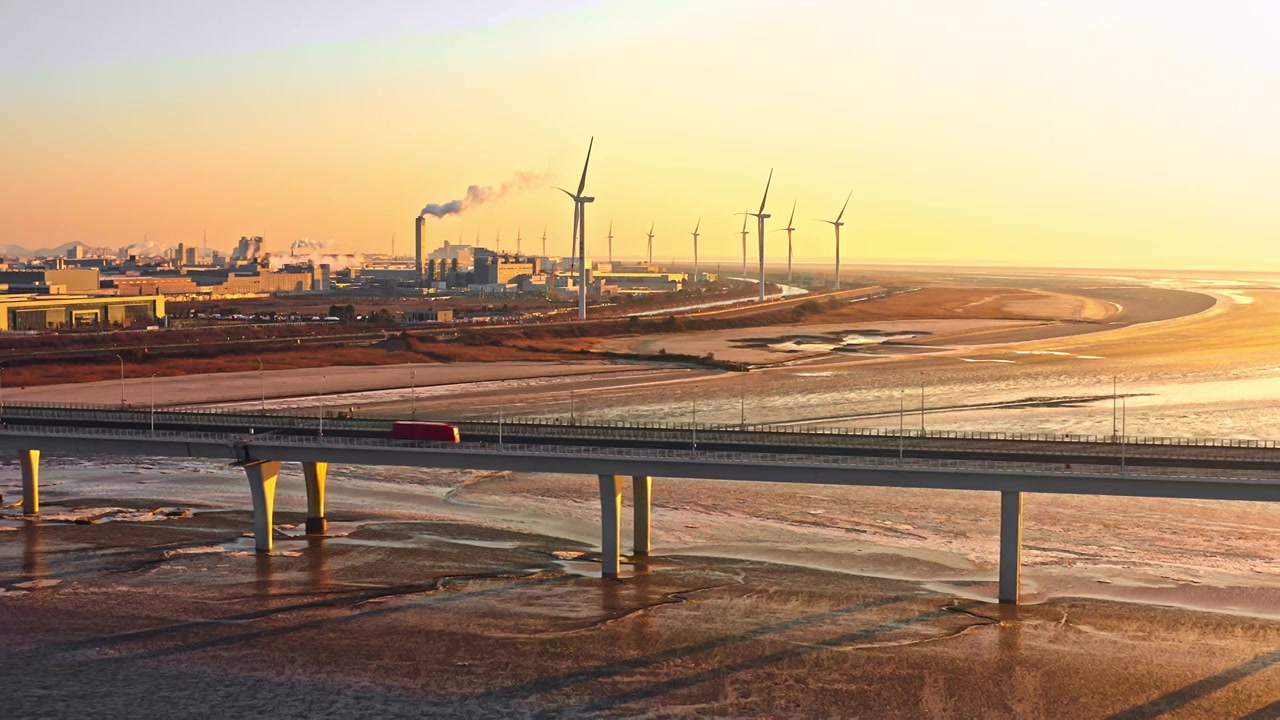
x=335, y=381
x=889, y=540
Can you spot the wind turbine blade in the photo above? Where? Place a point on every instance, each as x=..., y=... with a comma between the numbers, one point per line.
x=566, y=192
x=651, y=229
x=582, y=184
x=695, y=227
x=846, y=204
x=793, y=213
x=766, y=191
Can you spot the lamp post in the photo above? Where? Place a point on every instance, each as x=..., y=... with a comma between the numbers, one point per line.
x=1115, y=392
x=1, y=388
x=322, y=377
x=262, y=387
x=153, y=402
x=694, y=425
x=921, y=404
x=902, y=421
x=499, y=424
x=742, y=409
x=413, y=393
x=122, y=402
x=1123, y=432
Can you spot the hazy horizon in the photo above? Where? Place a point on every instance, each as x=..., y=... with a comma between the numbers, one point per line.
x=985, y=134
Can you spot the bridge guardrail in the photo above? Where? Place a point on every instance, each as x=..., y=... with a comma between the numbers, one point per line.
x=266, y=442
x=291, y=418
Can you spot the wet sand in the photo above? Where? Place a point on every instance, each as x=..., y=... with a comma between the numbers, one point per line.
x=249, y=386
x=429, y=619
x=824, y=601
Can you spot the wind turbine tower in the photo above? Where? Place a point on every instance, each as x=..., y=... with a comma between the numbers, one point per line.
x=544, y=241
x=789, y=230
x=518, y=238
x=695, y=249
x=497, y=246
x=580, y=231
x=745, y=213
x=760, y=218
x=650, y=235
x=610, y=239
x=837, y=224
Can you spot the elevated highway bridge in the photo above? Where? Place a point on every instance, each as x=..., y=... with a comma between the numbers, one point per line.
x=1010, y=464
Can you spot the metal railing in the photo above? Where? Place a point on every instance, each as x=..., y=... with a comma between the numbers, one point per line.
x=264, y=443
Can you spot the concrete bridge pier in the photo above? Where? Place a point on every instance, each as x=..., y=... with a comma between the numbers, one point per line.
x=262, y=486
x=642, y=488
x=1010, y=546
x=610, y=524
x=315, y=473
x=30, y=461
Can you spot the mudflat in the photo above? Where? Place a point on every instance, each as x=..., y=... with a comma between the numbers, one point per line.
x=435, y=619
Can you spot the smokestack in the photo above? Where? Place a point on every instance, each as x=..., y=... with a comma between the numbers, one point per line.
x=419, y=254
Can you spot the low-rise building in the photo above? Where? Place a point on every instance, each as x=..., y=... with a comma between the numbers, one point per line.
x=55, y=312
x=431, y=315
x=76, y=280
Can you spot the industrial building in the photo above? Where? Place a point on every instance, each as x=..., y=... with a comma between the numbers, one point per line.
x=424, y=316
x=74, y=280
x=150, y=285
x=53, y=312
x=626, y=282
x=492, y=270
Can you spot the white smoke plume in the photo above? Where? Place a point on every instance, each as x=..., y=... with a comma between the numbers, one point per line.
x=315, y=253
x=478, y=195
x=148, y=248
x=307, y=244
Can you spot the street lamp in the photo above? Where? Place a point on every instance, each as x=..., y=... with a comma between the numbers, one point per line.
x=694, y=425
x=122, y=402
x=921, y=404
x=902, y=421
x=153, y=402
x=1, y=388
x=413, y=393
x=1115, y=390
x=262, y=387
x=1123, y=433
x=322, y=377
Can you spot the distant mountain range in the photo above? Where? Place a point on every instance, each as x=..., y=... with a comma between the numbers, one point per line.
x=58, y=251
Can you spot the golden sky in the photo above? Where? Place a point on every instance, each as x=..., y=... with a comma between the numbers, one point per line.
x=1080, y=133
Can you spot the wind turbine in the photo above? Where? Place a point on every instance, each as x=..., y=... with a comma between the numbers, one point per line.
x=836, y=224
x=650, y=235
x=610, y=238
x=580, y=231
x=789, y=230
x=695, y=249
x=518, y=241
x=497, y=248
x=745, y=213
x=544, y=241
x=760, y=218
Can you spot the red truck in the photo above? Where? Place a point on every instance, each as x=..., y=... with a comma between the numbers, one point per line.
x=410, y=430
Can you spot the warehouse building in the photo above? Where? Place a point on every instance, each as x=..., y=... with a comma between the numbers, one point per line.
x=56, y=312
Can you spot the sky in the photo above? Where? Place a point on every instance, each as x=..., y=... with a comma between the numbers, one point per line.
x=1074, y=133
